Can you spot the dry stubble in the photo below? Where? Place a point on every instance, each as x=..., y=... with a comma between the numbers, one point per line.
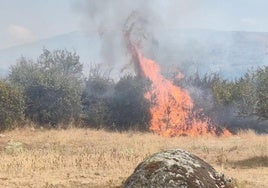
x=90, y=158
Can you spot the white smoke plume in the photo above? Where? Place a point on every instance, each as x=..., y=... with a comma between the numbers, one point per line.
x=164, y=27
x=154, y=18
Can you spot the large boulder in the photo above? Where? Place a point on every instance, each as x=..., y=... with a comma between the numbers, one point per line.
x=176, y=168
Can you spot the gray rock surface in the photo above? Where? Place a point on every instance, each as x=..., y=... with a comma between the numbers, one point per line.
x=176, y=168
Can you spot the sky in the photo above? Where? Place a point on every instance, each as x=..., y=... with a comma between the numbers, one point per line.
x=25, y=21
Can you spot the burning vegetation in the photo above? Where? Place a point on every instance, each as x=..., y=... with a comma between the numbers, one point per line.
x=54, y=91
x=171, y=106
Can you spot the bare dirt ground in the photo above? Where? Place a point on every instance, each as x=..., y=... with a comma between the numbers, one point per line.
x=90, y=158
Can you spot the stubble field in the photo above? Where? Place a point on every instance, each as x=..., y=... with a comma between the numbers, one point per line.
x=96, y=158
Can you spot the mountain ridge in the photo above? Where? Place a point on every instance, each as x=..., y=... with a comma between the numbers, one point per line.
x=230, y=53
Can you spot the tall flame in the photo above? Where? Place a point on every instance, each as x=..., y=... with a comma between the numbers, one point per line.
x=172, y=107
x=171, y=110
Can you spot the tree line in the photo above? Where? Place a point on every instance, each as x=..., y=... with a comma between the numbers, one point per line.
x=52, y=92
x=239, y=104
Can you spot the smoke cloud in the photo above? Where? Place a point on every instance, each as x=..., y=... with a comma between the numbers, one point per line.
x=155, y=21
x=176, y=32
x=167, y=33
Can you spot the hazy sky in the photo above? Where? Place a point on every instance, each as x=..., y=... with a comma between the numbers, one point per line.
x=23, y=21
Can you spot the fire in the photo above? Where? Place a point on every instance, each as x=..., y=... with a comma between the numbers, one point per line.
x=172, y=107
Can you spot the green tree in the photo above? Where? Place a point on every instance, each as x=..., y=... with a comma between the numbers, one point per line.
x=11, y=106
x=52, y=86
x=262, y=92
x=223, y=91
x=249, y=94
x=238, y=104
x=245, y=94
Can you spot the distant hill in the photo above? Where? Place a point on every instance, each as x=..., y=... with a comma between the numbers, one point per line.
x=88, y=48
x=228, y=53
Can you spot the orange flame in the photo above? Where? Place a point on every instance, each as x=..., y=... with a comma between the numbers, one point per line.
x=171, y=112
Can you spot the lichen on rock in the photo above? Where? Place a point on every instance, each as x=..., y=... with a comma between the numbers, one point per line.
x=175, y=168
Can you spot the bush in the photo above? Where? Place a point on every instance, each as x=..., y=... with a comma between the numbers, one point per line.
x=238, y=104
x=262, y=92
x=11, y=106
x=52, y=86
x=115, y=106
x=96, y=98
x=130, y=110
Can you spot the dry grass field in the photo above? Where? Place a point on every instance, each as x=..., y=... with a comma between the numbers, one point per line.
x=90, y=158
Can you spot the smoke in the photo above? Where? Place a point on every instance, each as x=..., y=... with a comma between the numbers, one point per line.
x=175, y=32
x=227, y=115
x=163, y=31
x=162, y=28
x=153, y=19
